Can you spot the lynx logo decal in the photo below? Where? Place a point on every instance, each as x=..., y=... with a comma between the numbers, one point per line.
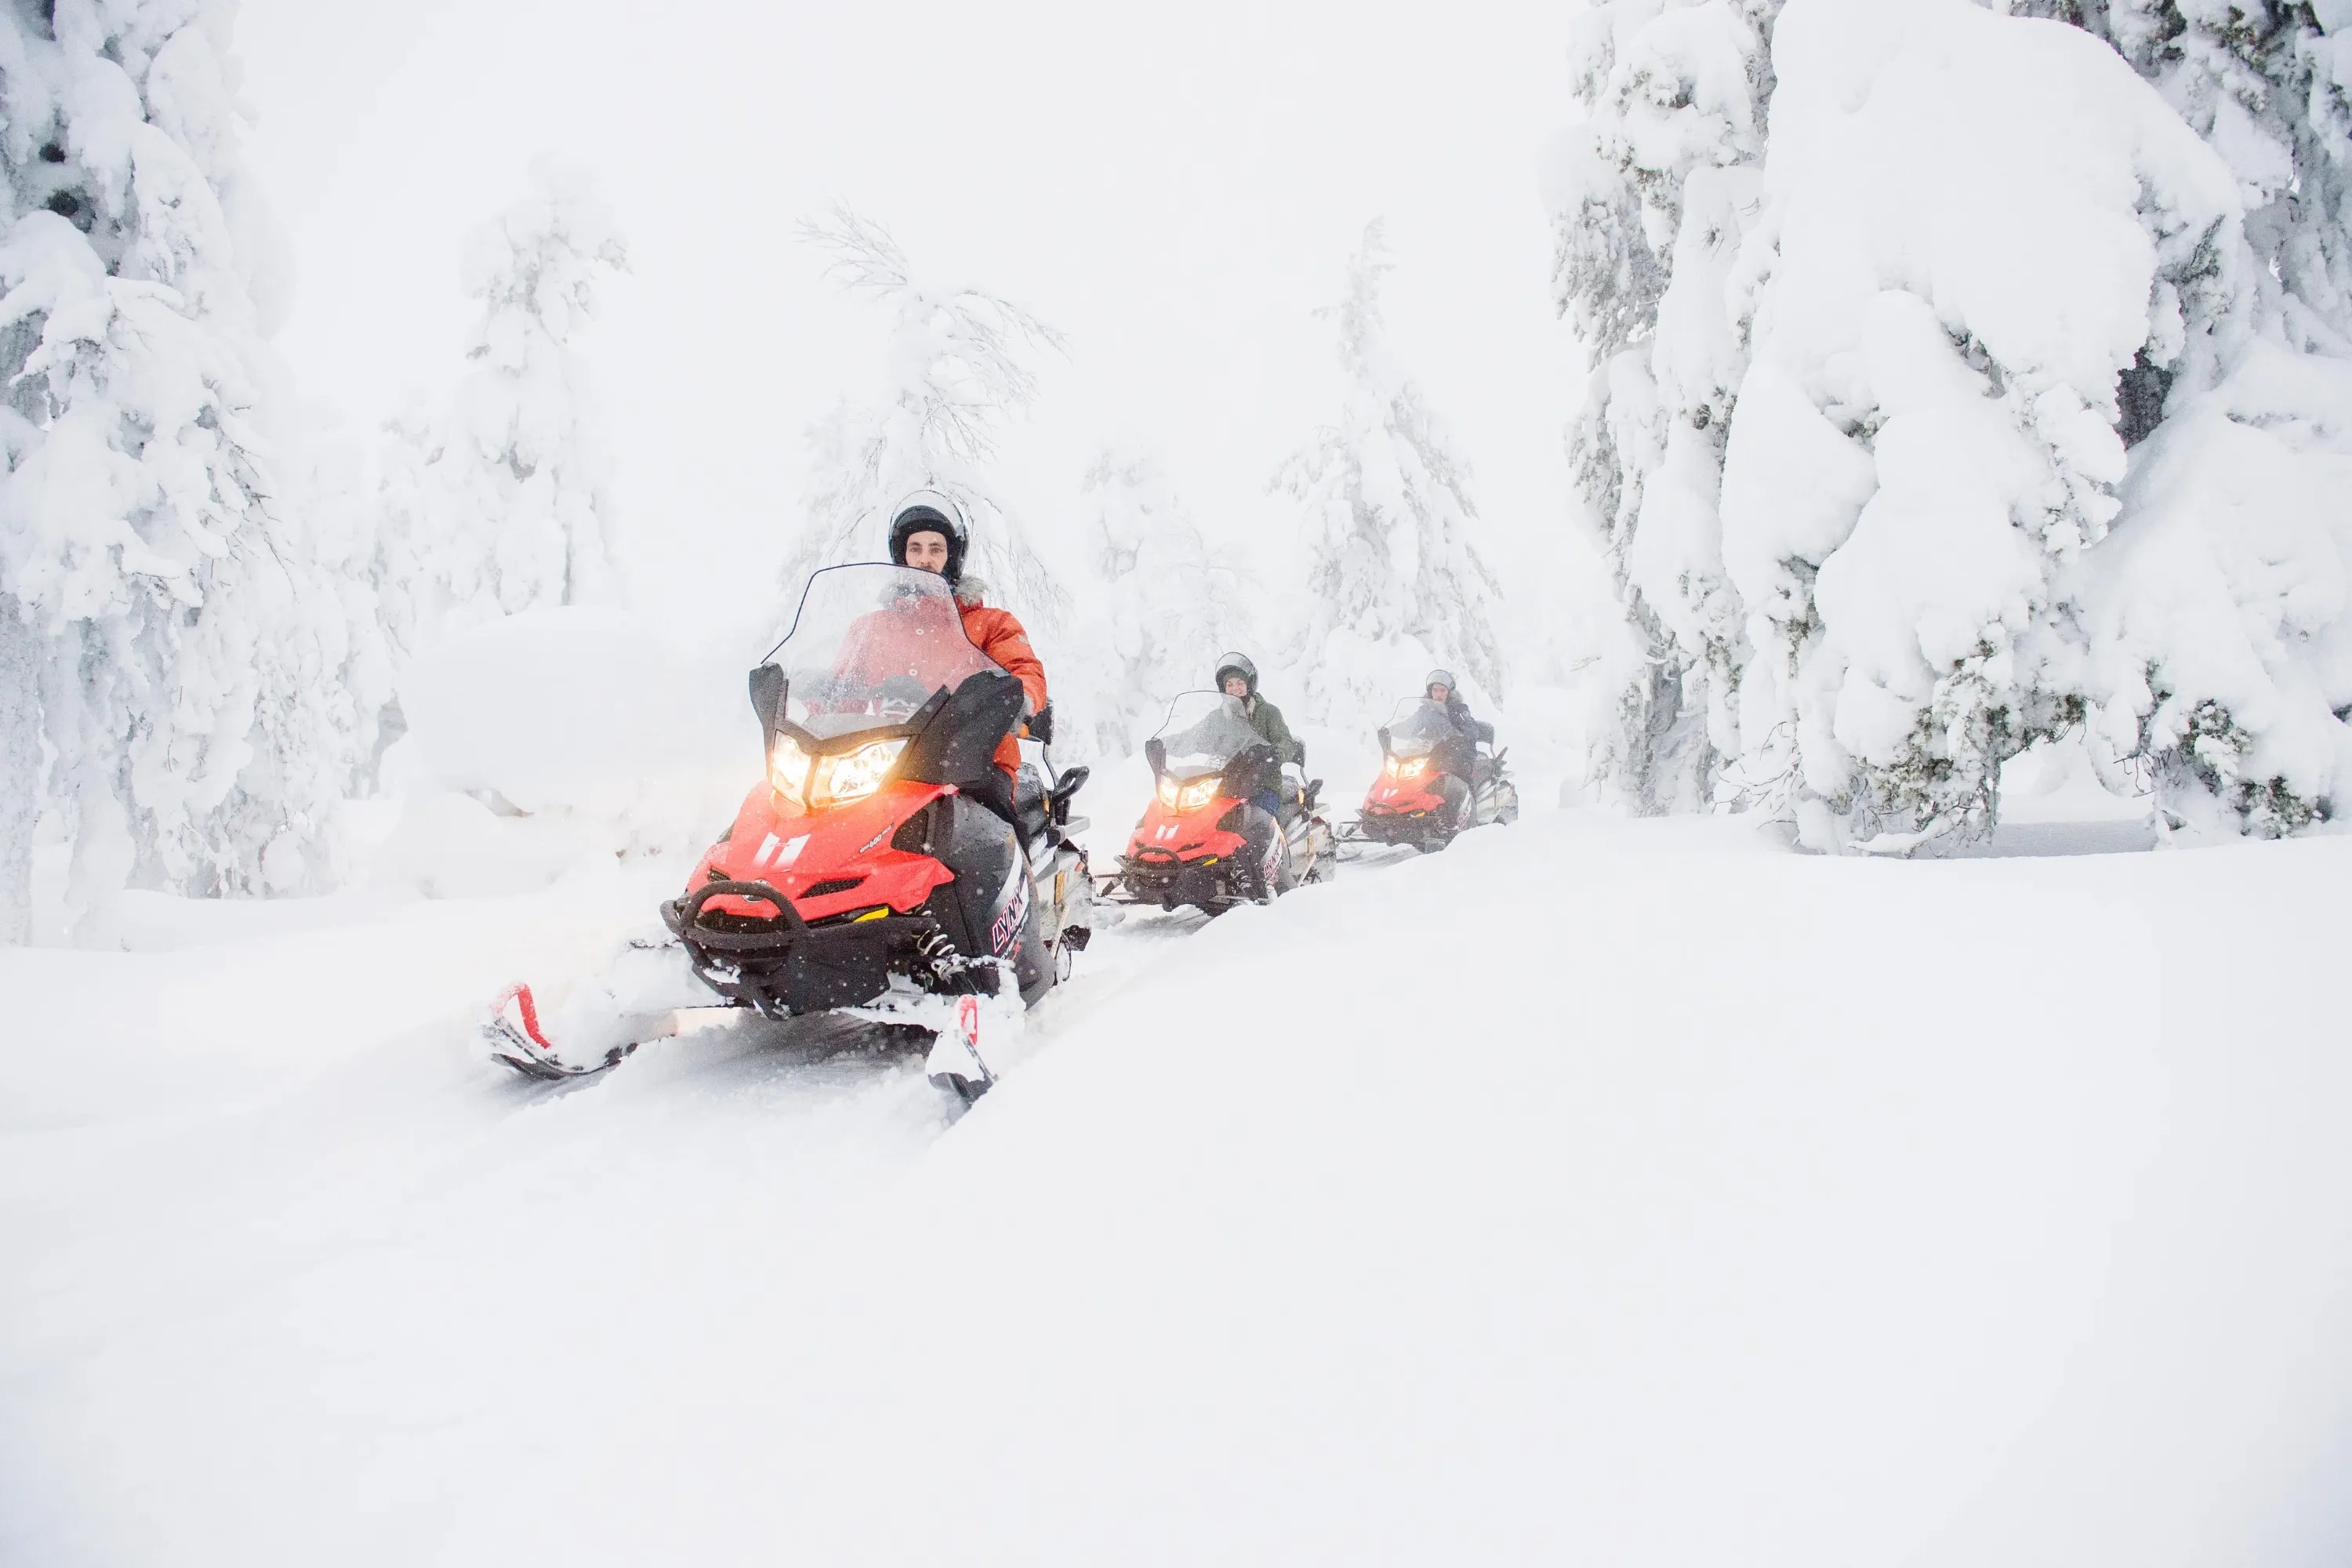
x=1004, y=931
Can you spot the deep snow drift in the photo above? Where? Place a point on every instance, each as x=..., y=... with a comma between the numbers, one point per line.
x=1597, y=1191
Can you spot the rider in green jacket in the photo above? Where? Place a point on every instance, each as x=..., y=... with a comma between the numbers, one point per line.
x=1237, y=676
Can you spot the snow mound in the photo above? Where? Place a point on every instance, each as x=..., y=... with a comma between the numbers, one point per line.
x=541, y=739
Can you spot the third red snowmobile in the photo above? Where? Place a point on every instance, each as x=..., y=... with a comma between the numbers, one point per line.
x=1433, y=783
x=1207, y=838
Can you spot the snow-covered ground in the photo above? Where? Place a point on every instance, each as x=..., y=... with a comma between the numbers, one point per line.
x=1600, y=1191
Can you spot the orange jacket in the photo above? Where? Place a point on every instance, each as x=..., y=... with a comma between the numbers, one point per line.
x=1001, y=637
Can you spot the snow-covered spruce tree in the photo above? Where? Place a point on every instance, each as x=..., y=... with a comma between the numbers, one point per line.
x=166, y=644
x=1167, y=605
x=957, y=369
x=1927, y=442
x=1651, y=196
x=2217, y=611
x=513, y=511
x=1394, y=579
x=1923, y=552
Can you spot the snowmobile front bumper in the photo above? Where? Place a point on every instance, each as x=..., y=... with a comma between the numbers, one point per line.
x=1171, y=883
x=786, y=966
x=1382, y=825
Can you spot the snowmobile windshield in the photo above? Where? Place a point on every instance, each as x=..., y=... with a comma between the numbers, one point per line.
x=1206, y=731
x=871, y=646
x=1418, y=727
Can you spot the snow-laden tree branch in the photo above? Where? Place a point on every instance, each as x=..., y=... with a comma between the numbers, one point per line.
x=1395, y=580
x=1166, y=605
x=499, y=501
x=957, y=366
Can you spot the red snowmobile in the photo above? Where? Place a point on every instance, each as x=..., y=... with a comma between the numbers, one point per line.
x=1207, y=839
x=1432, y=783
x=885, y=865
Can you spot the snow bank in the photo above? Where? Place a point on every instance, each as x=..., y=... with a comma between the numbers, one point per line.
x=542, y=741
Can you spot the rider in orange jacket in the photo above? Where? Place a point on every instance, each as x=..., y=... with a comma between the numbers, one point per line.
x=929, y=534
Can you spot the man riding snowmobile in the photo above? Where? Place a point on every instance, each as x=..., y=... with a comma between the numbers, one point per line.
x=929, y=534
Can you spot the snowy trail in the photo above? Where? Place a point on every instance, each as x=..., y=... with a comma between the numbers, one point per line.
x=1449, y=1213
x=396, y=1230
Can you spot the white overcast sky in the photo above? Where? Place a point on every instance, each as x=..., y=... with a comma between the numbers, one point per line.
x=1175, y=188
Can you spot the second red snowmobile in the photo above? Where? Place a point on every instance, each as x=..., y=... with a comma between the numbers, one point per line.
x=1206, y=838
x=885, y=865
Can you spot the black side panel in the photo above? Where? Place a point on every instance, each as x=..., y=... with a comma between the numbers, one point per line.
x=960, y=743
x=978, y=846
x=1033, y=962
x=1252, y=772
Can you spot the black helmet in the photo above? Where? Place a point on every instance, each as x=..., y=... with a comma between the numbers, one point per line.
x=931, y=512
x=1236, y=663
x=1440, y=677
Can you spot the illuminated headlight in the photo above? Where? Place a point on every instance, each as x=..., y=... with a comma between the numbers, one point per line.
x=1402, y=769
x=787, y=770
x=853, y=775
x=1189, y=796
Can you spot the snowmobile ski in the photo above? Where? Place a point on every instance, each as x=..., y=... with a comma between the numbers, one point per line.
x=955, y=1061
x=514, y=1038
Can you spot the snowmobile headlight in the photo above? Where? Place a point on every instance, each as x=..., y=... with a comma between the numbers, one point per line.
x=853, y=775
x=787, y=770
x=1196, y=794
x=1167, y=792
x=1407, y=768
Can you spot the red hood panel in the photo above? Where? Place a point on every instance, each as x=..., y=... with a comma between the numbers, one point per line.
x=1187, y=835
x=790, y=849
x=1397, y=794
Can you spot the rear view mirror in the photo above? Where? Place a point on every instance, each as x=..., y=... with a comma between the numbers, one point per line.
x=768, y=697
x=1384, y=740
x=1156, y=755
